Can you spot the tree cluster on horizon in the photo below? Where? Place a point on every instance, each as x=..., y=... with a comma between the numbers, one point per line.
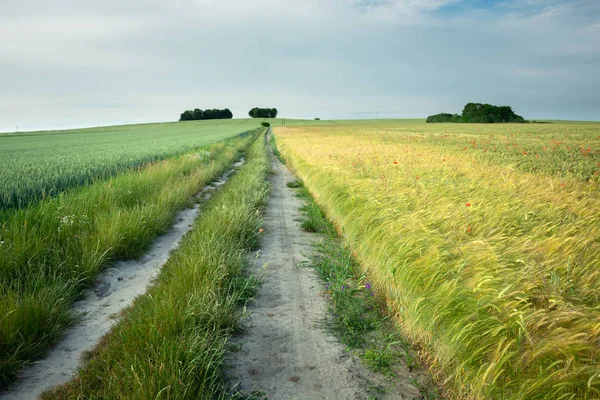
x=198, y=114
x=263, y=112
x=479, y=113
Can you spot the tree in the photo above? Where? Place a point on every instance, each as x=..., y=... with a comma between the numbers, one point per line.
x=479, y=113
x=263, y=112
x=197, y=114
x=444, y=117
x=187, y=116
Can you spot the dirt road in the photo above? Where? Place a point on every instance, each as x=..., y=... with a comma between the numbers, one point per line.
x=284, y=351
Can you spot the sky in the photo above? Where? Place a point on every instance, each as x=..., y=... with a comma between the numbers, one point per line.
x=77, y=63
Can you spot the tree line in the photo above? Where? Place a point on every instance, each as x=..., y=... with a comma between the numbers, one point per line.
x=263, y=112
x=479, y=113
x=197, y=114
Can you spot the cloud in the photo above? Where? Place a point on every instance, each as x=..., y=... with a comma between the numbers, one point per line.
x=115, y=61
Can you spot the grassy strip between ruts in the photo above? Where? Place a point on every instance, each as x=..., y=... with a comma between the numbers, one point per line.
x=276, y=152
x=50, y=251
x=170, y=343
x=359, y=315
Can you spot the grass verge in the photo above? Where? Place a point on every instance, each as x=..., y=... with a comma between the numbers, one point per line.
x=52, y=250
x=170, y=342
x=276, y=152
x=359, y=317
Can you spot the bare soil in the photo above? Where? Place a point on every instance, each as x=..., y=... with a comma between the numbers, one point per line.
x=285, y=350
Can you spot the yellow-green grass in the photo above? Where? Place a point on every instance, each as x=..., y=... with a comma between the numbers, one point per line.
x=34, y=165
x=489, y=256
x=51, y=250
x=170, y=343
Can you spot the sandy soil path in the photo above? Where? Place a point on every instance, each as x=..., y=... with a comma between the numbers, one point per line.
x=284, y=351
x=114, y=290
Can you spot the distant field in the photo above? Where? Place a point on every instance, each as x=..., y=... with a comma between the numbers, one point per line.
x=484, y=238
x=35, y=164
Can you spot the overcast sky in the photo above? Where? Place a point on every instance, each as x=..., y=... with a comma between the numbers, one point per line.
x=68, y=63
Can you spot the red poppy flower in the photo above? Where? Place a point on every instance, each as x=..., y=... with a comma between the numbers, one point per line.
x=396, y=162
x=417, y=177
x=468, y=205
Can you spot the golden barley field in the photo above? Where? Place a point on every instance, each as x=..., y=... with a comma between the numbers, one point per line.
x=485, y=240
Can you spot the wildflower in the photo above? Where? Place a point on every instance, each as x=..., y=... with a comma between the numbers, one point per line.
x=261, y=230
x=469, y=229
x=367, y=285
x=417, y=177
x=444, y=159
x=468, y=205
x=396, y=162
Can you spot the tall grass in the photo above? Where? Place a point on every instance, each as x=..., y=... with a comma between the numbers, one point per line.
x=51, y=250
x=170, y=343
x=491, y=266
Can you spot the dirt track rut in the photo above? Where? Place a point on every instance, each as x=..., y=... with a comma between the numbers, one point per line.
x=284, y=351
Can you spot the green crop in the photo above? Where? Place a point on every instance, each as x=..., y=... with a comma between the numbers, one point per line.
x=41, y=164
